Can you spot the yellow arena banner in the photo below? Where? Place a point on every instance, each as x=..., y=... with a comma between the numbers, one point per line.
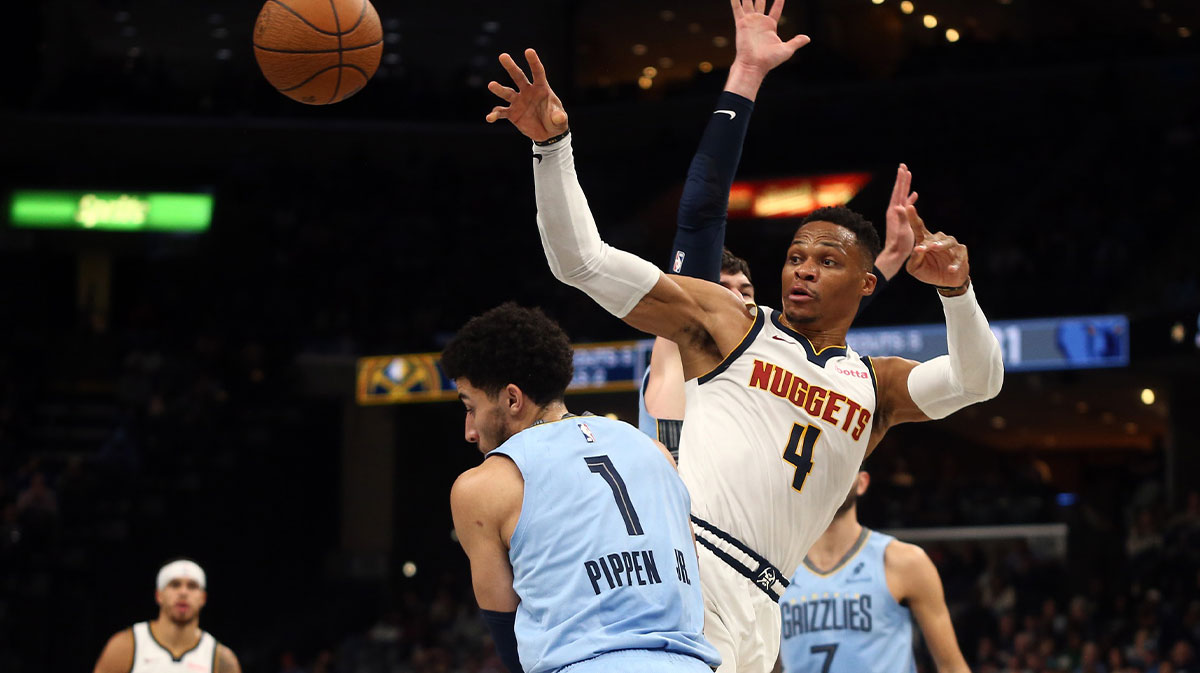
x=418, y=377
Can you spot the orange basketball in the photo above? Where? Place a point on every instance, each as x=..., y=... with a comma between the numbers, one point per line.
x=318, y=51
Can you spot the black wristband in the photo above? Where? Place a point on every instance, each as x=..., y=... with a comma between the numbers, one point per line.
x=503, y=628
x=550, y=141
x=941, y=289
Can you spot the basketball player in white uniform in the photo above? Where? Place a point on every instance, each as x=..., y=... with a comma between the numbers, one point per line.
x=780, y=412
x=173, y=642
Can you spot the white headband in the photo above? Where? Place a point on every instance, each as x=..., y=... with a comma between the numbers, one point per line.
x=182, y=568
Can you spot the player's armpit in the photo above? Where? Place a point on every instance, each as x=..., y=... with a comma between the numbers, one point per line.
x=227, y=662
x=894, y=404
x=913, y=578
x=704, y=319
x=482, y=505
x=117, y=656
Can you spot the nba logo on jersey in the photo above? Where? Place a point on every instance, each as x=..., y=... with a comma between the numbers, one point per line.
x=678, y=265
x=587, y=433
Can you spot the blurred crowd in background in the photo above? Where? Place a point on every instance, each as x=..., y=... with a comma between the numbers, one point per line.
x=1058, y=142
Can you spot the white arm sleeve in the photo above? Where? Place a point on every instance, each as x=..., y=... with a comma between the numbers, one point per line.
x=972, y=372
x=615, y=279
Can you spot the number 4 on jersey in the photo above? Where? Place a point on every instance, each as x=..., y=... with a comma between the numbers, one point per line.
x=804, y=438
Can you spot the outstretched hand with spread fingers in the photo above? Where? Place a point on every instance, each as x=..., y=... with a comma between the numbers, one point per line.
x=532, y=107
x=758, y=43
x=936, y=259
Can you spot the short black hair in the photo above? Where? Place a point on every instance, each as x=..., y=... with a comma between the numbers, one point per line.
x=861, y=227
x=512, y=344
x=733, y=265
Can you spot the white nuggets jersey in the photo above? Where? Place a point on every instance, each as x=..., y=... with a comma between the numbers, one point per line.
x=149, y=656
x=773, y=438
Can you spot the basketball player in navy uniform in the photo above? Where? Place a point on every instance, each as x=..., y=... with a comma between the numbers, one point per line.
x=780, y=412
x=851, y=604
x=174, y=641
x=576, y=527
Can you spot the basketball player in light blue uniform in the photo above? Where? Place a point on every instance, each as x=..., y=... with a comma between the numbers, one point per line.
x=576, y=527
x=850, y=605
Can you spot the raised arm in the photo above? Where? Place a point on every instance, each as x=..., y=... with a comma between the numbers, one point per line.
x=972, y=371
x=690, y=313
x=898, y=242
x=700, y=225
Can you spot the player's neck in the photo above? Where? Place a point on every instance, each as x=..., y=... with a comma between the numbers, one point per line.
x=176, y=637
x=550, y=413
x=833, y=544
x=819, y=337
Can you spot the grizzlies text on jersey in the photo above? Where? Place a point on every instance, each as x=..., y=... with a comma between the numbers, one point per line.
x=846, y=619
x=602, y=553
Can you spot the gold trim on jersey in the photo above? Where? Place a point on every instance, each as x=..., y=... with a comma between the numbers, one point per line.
x=752, y=331
x=855, y=549
x=814, y=348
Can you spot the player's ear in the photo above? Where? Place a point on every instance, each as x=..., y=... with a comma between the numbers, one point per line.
x=864, y=481
x=869, y=283
x=513, y=398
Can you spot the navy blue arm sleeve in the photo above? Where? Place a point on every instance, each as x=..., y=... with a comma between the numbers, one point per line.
x=881, y=283
x=700, y=226
x=504, y=634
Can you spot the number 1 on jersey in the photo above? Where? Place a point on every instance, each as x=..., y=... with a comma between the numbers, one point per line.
x=804, y=437
x=602, y=465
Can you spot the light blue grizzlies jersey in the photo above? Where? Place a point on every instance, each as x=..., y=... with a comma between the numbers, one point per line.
x=846, y=620
x=602, y=553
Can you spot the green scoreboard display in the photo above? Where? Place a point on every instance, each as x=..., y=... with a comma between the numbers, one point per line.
x=160, y=212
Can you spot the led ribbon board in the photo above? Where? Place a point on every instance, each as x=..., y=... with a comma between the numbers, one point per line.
x=1088, y=342
x=401, y=379
x=161, y=212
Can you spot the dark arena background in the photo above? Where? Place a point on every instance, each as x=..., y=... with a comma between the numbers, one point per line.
x=203, y=386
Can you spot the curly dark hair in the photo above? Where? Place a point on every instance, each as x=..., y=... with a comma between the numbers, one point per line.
x=863, y=230
x=732, y=264
x=512, y=344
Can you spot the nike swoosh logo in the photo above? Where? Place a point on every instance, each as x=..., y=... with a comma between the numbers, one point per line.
x=731, y=113
x=783, y=340
x=538, y=157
